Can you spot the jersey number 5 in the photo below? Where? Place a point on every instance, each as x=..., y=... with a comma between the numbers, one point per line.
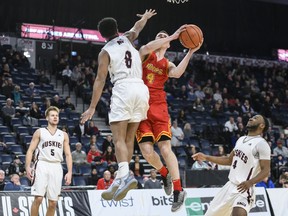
x=52, y=152
x=128, y=59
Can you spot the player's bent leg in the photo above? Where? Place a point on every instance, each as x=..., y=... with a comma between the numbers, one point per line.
x=238, y=211
x=35, y=205
x=52, y=204
x=170, y=158
x=147, y=150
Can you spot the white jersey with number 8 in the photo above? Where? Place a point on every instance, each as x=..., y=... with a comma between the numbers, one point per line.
x=125, y=61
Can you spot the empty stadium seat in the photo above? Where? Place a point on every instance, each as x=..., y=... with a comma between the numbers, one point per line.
x=6, y=159
x=79, y=181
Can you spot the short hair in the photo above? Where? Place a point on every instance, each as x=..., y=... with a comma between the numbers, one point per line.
x=163, y=31
x=108, y=27
x=267, y=124
x=51, y=108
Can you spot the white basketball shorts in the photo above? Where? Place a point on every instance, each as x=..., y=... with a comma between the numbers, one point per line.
x=47, y=180
x=129, y=101
x=228, y=198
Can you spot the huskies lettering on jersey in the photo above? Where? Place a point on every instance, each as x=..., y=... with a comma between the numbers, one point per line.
x=154, y=69
x=51, y=144
x=241, y=155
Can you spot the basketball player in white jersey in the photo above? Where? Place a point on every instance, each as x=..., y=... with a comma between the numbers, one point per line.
x=129, y=100
x=250, y=163
x=47, y=173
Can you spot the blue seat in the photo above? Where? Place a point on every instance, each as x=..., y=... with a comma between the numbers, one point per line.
x=16, y=149
x=42, y=122
x=26, y=139
x=4, y=129
x=73, y=139
x=23, y=130
x=6, y=159
x=16, y=122
x=33, y=129
x=85, y=169
x=205, y=144
x=79, y=181
x=74, y=115
x=9, y=138
x=25, y=181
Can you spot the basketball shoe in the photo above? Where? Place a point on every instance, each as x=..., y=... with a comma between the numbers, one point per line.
x=109, y=193
x=168, y=185
x=179, y=198
x=128, y=182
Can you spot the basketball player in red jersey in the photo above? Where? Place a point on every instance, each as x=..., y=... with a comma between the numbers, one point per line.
x=156, y=128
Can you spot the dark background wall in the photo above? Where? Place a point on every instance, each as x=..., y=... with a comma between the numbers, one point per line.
x=230, y=26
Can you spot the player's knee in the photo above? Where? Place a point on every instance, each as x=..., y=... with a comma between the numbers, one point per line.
x=165, y=151
x=52, y=204
x=239, y=212
x=38, y=201
x=148, y=154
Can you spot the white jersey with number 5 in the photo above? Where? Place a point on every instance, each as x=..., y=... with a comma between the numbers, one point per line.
x=125, y=61
x=247, y=153
x=50, y=147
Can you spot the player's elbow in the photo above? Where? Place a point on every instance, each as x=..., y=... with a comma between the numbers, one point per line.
x=145, y=50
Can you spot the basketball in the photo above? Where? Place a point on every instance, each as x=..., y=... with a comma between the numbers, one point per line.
x=191, y=37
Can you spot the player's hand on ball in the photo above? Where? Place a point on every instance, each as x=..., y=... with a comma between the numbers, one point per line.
x=176, y=34
x=198, y=47
x=87, y=115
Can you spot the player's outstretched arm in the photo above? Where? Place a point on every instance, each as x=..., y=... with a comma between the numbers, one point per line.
x=226, y=160
x=133, y=33
x=177, y=72
x=98, y=86
x=158, y=43
x=29, y=154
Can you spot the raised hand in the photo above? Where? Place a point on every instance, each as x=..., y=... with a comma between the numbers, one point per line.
x=148, y=14
x=197, y=48
x=176, y=34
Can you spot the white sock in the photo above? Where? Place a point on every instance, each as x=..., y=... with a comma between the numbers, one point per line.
x=123, y=169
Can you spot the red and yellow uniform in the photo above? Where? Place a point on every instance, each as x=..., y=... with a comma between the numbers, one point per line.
x=155, y=74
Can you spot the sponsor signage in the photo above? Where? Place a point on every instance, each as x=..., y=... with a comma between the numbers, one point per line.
x=136, y=203
x=156, y=203
x=279, y=199
x=69, y=204
x=49, y=32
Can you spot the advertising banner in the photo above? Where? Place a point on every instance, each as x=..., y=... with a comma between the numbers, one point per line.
x=49, y=32
x=156, y=203
x=69, y=204
x=279, y=200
